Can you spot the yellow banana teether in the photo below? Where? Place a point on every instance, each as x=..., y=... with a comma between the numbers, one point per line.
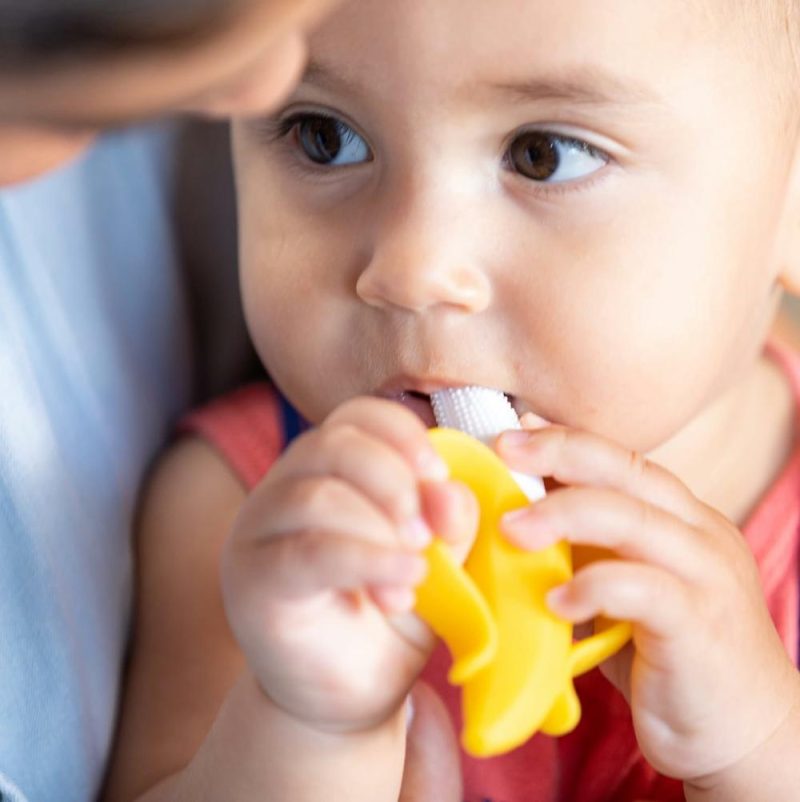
x=514, y=658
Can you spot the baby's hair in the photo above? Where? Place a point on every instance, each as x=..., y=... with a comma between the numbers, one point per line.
x=783, y=17
x=781, y=37
x=52, y=28
x=768, y=32
x=774, y=24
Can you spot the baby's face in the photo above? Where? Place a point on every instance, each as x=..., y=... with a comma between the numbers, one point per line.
x=578, y=203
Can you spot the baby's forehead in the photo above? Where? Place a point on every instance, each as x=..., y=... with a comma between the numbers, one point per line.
x=623, y=45
x=768, y=33
x=770, y=24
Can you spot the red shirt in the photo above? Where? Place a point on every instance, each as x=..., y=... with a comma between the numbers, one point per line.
x=599, y=761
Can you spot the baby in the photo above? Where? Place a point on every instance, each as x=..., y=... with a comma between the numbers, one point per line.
x=595, y=208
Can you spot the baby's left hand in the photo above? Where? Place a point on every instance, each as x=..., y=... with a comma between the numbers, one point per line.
x=708, y=679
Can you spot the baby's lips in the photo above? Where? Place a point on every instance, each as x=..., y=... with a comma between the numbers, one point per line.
x=419, y=404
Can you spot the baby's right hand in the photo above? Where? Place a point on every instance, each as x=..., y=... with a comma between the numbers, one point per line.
x=319, y=571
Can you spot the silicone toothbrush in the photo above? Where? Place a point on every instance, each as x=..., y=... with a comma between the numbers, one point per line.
x=483, y=413
x=513, y=657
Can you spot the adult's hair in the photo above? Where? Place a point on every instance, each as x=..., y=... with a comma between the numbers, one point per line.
x=53, y=28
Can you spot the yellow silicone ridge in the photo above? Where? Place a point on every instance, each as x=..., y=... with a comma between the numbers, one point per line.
x=514, y=658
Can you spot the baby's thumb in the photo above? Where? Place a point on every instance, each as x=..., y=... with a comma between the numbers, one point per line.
x=452, y=513
x=433, y=764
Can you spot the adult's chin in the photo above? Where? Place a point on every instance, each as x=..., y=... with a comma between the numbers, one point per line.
x=28, y=152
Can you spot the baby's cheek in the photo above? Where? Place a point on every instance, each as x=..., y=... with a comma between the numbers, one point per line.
x=638, y=405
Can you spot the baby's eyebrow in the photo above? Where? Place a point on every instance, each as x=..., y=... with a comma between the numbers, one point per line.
x=326, y=77
x=585, y=85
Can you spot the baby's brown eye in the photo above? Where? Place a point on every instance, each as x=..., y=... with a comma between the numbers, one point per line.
x=534, y=155
x=320, y=139
x=551, y=158
x=330, y=142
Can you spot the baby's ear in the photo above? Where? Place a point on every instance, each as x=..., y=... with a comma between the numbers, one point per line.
x=788, y=253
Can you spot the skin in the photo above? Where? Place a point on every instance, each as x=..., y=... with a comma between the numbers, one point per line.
x=624, y=309
x=50, y=111
x=195, y=722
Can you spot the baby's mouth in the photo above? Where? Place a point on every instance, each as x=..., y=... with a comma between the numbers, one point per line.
x=419, y=404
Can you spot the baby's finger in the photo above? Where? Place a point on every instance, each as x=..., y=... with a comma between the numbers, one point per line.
x=645, y=595
x=326, y=502
x=393, y=599
x=313, y=480
x=397, y=426
x=452, y=513
x=575, y=457
x=432, y=767
x=631, y=527
x=305, y=563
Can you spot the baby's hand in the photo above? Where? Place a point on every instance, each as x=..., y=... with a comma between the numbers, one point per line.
x=319, y=572
x=708, y=678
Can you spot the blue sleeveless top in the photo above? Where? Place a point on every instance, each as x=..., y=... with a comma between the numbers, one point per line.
x=94, y=368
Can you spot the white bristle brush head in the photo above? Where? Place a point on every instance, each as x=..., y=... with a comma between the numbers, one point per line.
x=478, y=411
x=483, y=413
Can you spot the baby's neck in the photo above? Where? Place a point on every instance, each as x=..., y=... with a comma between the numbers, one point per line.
x=731, y=454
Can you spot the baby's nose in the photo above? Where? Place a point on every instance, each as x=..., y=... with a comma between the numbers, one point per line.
x=423, y=285
x=421, y=262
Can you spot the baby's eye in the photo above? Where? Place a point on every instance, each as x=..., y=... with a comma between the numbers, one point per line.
x=551, y=158
x=328, y=141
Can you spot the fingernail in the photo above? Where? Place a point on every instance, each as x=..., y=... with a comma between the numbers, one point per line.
x=409, y=711
x=511, y=521
x=416, y=533
x=525, y=530
x=515, y=439
x=532, y=422
x=557, y=598
x=432, y=466
x=399, y=600
x=412, y=568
